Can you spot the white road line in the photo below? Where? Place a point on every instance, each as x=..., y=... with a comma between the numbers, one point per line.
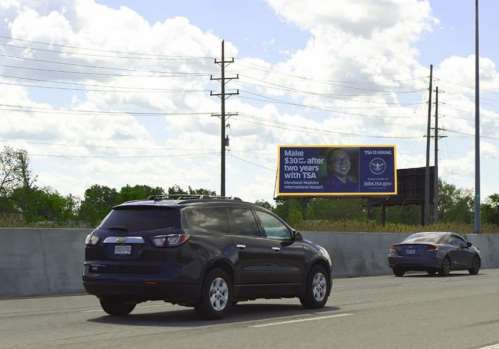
x=302, y=320
x=494, y=346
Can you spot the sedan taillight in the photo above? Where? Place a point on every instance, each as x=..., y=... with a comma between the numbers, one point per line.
x=393, y=250
x=431, y=248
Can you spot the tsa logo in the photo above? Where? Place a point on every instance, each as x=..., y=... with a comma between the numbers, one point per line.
x=377, y=166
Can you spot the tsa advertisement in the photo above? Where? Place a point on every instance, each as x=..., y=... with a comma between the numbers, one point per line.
x=332, y=170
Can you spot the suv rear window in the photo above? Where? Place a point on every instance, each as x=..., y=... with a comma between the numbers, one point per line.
x=141, y=218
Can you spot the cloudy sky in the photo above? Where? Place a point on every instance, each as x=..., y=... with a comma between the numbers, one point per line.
x=117, y=92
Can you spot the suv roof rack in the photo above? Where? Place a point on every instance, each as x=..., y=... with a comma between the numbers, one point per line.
x=186, y=197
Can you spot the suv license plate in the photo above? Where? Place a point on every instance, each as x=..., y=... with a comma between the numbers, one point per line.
x=410, y=251
x=123, y=249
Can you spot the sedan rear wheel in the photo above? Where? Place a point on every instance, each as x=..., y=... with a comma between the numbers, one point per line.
x=445, y=268
x=398, y=272
x=475, y=266
x=116, y=306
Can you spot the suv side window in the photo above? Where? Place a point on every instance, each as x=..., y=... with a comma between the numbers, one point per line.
x=242, y=221
x=206, y=220
x=273, y=228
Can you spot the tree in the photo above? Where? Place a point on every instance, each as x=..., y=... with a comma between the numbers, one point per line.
x=490, y=210
x=97, y=202
x=138, y=192
x=264, y=204
x=454, y=205
x=26, y=193
x=10, y=169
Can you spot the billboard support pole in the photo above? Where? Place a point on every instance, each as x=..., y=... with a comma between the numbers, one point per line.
x=427, y=171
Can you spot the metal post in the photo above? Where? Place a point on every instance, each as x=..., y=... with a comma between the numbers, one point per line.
x=477, y=120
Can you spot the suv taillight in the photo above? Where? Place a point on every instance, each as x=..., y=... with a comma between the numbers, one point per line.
x=170, y=240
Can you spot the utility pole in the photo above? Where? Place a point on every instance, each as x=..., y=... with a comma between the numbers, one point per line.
x=477, y=121
x=223, y=97
x=435, y=174
x=427, y=170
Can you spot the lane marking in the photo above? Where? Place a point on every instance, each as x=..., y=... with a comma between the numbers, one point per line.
x=493, y=346
x=302, y=320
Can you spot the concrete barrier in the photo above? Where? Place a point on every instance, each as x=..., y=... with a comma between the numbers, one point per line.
x=50, y=261
x=41, y=261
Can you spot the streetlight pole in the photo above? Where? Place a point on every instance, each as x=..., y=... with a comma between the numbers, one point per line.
x=477, y=121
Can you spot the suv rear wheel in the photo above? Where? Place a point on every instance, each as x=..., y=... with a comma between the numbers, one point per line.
x=216, y=295
x=317, y=288
x=116, y=306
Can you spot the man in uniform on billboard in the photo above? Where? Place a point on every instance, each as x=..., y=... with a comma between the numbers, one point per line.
x=342, y=170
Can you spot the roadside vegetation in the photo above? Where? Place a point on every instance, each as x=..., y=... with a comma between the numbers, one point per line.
x=24, y=203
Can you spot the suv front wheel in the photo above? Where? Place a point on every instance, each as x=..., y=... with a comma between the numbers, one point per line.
x=317, y=288
x=216, y=295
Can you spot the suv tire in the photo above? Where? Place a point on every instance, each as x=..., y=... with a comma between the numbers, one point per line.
x=216, y=295
x=317, y=288
x=116, y=306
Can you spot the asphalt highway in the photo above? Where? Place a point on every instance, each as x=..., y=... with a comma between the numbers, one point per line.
x=416, y=311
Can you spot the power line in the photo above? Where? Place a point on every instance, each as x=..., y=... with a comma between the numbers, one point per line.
x=126, y=88
x=308, y=106
x=134, y=156
x=163, y=75
x=119, y=56
x=85, y=112
x=266, y=83
x=141, y=54
x=95, y=90
x=251, y=162
x=304, y=129
x=80, y=65
x=306, y=78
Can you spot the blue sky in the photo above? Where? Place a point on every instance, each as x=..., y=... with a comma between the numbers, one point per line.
x=251, y=25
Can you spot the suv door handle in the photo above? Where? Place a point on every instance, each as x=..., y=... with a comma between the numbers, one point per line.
x=241, y=246
x=277, y=249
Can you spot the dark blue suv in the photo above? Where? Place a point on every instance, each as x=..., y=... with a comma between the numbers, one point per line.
x=206, y=252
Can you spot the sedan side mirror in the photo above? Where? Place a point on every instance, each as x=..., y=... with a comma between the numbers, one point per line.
x=469, y=244
x=297, y=236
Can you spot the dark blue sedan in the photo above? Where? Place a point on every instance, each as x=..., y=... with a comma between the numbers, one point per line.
x=434, y=252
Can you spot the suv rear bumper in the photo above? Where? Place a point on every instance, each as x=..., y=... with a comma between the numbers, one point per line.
x=142, y=289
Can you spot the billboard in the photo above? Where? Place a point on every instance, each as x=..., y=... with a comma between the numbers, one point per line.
x=336, y=170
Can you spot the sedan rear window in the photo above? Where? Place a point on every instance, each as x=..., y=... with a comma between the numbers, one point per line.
x=141, y=218
x=425, y=237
